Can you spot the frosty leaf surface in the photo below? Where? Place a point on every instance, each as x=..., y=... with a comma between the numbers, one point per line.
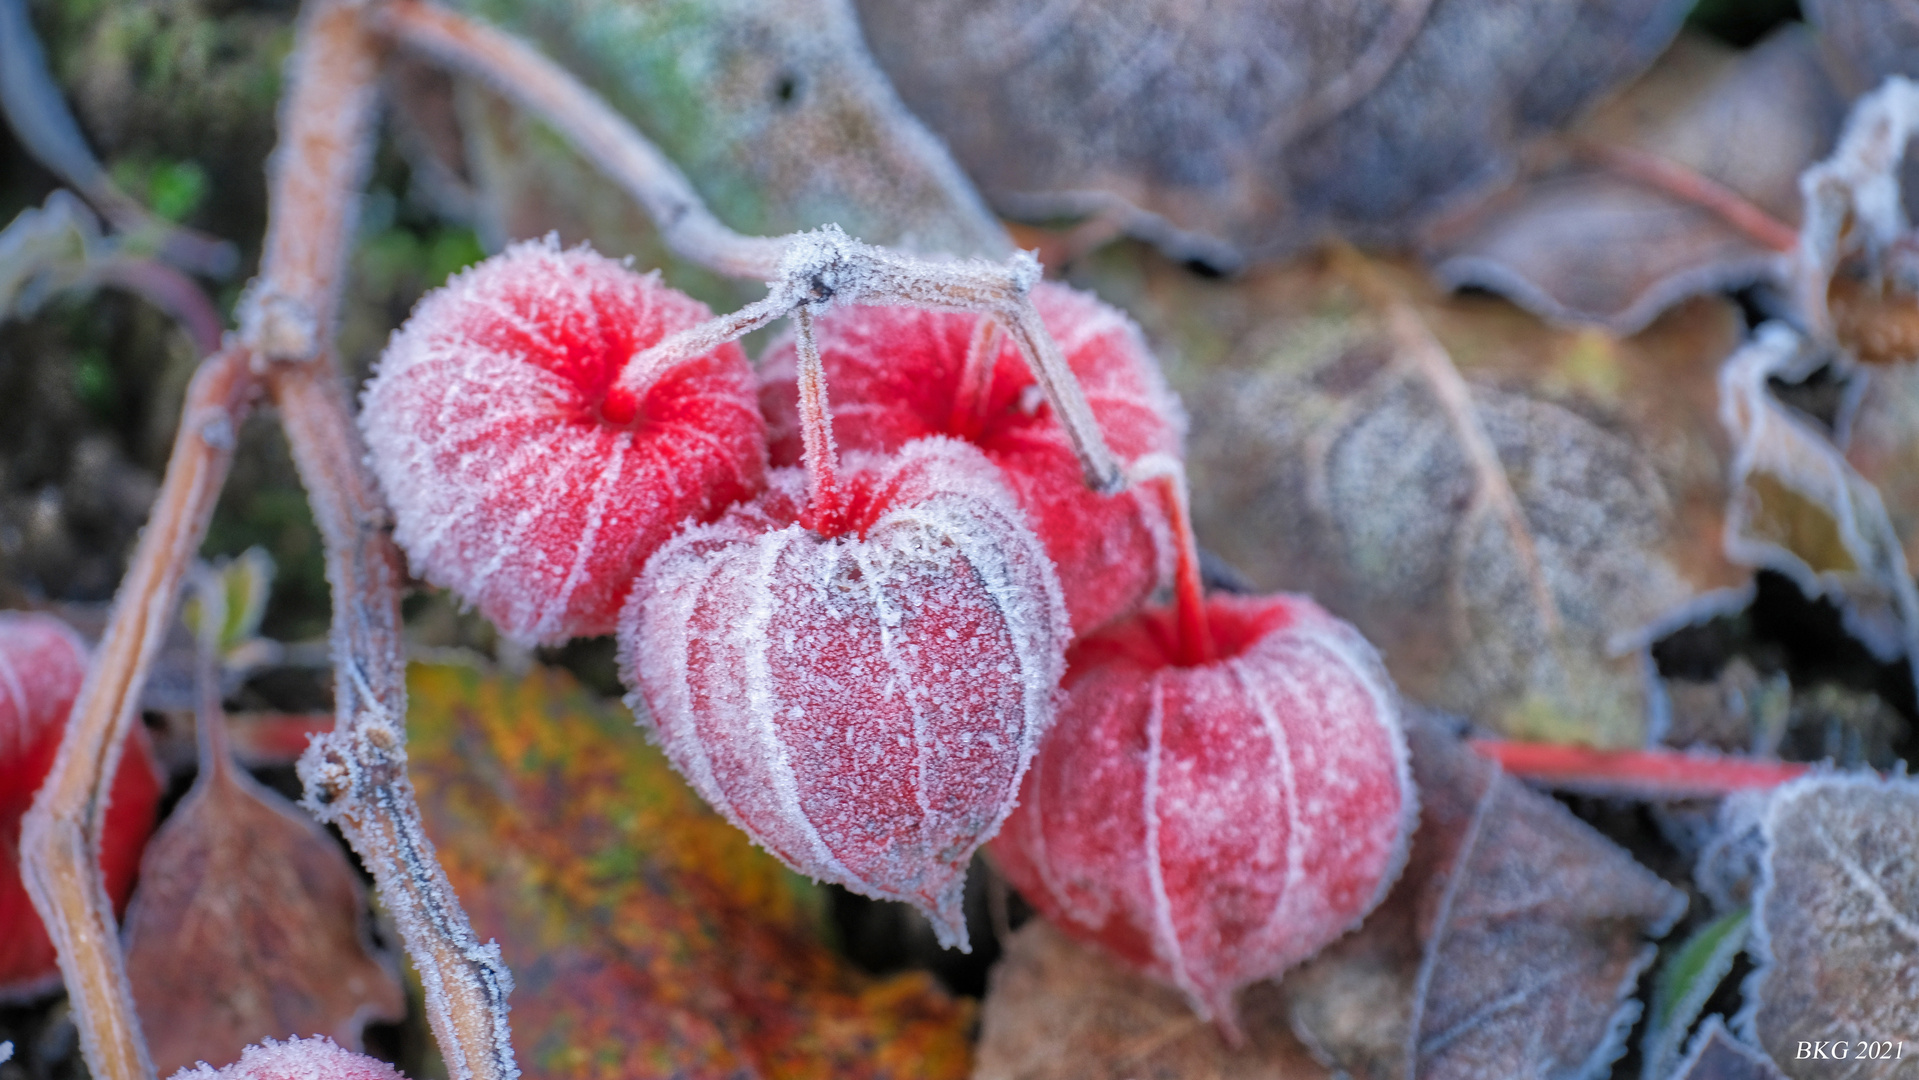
x=1242, y=130
x=249, y=924
x=1875, y=38
x=1595, y=236
x=1057, y=1010
x=1716, y=1055
x=647, y=936
x=1503, y=508
x=1836, y=914
x=1511, y=945
x=1799, y=507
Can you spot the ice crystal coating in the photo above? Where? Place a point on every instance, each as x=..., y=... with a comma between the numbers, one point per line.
x=317, y=1058
x=42, y=664
x=1214, y=825
x=863, y=705
x=903, y=373
x=522, y=474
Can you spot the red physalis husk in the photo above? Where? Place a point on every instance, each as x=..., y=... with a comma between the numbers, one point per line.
x=42, y=664
x=1215, y=821
x=317, y=1058
x=862, y=693
x=522, y=473
x=904, y=373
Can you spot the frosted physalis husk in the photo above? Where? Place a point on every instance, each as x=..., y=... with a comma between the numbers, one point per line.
x=863, y=705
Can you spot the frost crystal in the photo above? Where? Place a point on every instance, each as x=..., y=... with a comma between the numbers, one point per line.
x=865, y=704
x=523, y=474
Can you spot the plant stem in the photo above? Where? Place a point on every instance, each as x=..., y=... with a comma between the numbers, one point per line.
x=975, y=391
x=1685, y=183
x=1194, y=646
x=1662, y=774
x=60, y=837
x=210, y=721
x=823, y=509
x=355, y=775
x=602, y=136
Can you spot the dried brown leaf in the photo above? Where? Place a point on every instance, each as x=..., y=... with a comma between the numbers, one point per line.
x=249, y=924
x=1874, y=38
x=1884, y=444
x=1836, y=945
x=1799, y=507
x=1234, y=131
x=1509, y=511
x=1511, y=946
x=1636, y=217
x=1716, y=1055
x=1059, y=1010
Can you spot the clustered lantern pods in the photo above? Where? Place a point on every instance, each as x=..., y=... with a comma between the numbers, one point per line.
x=858, y=662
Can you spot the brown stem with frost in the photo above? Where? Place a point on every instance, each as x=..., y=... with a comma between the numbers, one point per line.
x=60, y=838
x=355, y=776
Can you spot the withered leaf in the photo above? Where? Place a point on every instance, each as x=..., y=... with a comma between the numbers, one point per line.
x=1509, y=511
x=1837, y=912
x=1058, y=1010
x=1511, y=945
x=1884, y=445
x=647, y=936
x=1716, y=1055
x=1241, y=130
x=1628, y=219
x=1799, y=507
x=774, y=111
x=249, y=923
x=1876, y=38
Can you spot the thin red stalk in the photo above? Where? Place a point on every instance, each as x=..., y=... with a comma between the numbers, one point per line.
x=210, y=723
x=976, y=379
x=816, y=433
x=1685, y=183
x=1195, y=642
x=60, y=838
x=1648, y=773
